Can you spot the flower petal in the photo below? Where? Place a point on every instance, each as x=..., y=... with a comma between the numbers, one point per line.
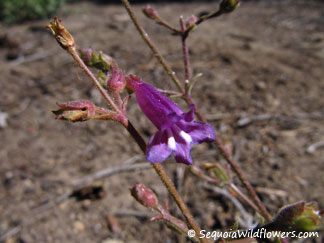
x=155, y=106
x=190, y=115
x=157, y=149
x=199, y=131
x=182, y=153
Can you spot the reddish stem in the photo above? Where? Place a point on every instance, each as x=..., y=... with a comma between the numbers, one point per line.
x=167, y=182
x=189, y=100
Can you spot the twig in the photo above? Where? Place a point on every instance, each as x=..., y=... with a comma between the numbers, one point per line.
x=246, y=120
x=10, y=233
x=162, y=22
x=243, y=179
x=110, y=171
x=35, y=215
x=30, y=58
x=312, y=148
x=179, y=179
x=247, y=221
x=272, y=192
x=243, y=197
x=203, y=19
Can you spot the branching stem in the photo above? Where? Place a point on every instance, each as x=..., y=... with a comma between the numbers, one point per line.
x=166, y=180
x=72, y=50
x=189, y=100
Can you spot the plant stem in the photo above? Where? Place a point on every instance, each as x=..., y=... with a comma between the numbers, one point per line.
x=189, y=100
x=244, y=198
x=167, y=182
x=243, y=179
x=186, y=59
x=162, y=22
x=212, y=15
x=152, y=46
x=203, y=19
x=72, y=50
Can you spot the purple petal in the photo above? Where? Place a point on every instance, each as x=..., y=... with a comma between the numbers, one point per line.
x=199, y=131
x=155, y=106
x=157, y=148
x=190, y=115
x=182, y=153
x=171, y=119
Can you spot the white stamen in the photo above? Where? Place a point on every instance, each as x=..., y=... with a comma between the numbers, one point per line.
x=172, y=143
x=186, y=136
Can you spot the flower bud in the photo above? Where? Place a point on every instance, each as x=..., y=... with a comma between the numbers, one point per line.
x=150, y=12
x=227, y=6
x=86, y=54
x=191, y=22
x=117, y=81
x=301, y=217
x=144, y=196
x=96, y=59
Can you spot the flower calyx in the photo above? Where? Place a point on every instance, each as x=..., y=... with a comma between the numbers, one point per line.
x=62, y=36
x=82, y=110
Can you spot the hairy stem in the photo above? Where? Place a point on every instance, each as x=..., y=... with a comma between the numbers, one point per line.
x=162, y=22
x=189, y=100
x=167, y=181
x=152, y=46
x=72, y=50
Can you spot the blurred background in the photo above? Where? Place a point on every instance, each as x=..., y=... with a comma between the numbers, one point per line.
x=261, y=88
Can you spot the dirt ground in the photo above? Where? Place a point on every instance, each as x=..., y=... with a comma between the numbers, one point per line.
x=264, y=59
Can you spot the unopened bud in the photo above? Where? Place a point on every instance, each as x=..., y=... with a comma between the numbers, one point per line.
x=117, y=81
x=144, y=196
x=150, y=12
x=301, y=216
x=191, y=22
x=227, y=6
x=86, y=54
x=96, y=59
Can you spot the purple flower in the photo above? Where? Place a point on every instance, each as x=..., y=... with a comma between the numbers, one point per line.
x=177, y=130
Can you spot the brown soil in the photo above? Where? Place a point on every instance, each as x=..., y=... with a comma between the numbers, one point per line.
x=266, y=58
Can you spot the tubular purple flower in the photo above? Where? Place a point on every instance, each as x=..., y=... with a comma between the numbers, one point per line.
x=177, y=130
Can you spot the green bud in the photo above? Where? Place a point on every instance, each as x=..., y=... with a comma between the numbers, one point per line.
x=96, y=59
x=300, y=216
x=227, y=6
